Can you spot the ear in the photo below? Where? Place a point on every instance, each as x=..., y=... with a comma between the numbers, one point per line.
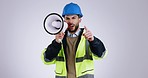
x=80, y=20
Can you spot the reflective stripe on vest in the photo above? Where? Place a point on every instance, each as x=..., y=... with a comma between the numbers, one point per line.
x=85, y=76
x=80, y=59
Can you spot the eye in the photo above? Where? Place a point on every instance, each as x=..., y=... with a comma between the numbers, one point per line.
x=73, y=17
x=67, y=18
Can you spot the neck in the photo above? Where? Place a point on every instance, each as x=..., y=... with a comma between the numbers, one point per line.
x=74, y=32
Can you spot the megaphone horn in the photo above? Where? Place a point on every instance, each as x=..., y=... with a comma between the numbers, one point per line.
x=53, y=23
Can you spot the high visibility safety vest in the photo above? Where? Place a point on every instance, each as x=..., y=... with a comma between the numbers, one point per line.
x=83, y=61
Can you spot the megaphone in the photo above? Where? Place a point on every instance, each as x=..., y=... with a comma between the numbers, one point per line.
x=54, y=24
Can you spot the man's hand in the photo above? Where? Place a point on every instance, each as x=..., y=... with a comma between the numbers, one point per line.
x=59, y=37
x=88, y=34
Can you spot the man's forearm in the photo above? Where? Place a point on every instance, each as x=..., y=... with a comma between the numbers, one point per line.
x=52, y=51
x=97, y=47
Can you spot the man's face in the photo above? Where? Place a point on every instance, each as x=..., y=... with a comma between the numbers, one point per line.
x=73, y=22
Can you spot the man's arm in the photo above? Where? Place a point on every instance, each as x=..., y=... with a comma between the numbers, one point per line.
x=52, y=51
x=97, y=47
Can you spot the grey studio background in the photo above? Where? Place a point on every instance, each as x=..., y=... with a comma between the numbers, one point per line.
x=121, y=24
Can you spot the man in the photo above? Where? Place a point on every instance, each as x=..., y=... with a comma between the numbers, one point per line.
x=79, y=47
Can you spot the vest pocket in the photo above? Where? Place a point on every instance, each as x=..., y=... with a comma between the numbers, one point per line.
x=59, y=69
x=87, y=67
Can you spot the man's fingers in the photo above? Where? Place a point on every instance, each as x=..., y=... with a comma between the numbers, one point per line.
x=85, y=28
x=59, y=37
x=88, y=35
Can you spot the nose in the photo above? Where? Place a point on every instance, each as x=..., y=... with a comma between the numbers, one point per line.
x=70, y=21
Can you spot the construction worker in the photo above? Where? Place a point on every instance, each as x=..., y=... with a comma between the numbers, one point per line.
x=74, y=56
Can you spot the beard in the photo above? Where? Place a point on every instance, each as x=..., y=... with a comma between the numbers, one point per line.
x=75, y=28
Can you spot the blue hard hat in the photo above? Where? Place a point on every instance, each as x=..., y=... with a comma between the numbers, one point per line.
x=72, y=9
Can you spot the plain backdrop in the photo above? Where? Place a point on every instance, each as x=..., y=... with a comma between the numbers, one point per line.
x=121, y=24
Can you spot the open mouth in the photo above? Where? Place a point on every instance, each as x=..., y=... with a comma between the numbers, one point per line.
x=71, y=25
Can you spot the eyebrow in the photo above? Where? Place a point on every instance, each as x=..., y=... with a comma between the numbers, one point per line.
x=72, y=16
